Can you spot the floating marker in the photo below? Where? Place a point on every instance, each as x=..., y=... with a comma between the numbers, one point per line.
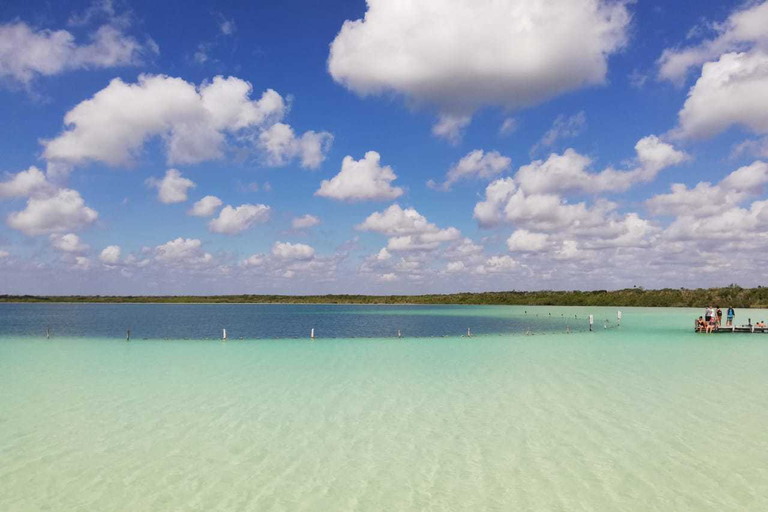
x=618, y=317
x=224, y=334
x=128, y=334
x=48, y=333
x=398, y=334
x=591, y=321
x=312, y=334
x=567, y=329
x=469, y=333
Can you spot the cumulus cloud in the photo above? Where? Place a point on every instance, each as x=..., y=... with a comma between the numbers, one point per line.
x=361, y=180
x=67, y=243
x=570, y=171
x=182, y=252
x=4, y=254
x=509, y=54
x=172, y=188
x=289, y=251
x=281, y=146
x=550, y=214
x=27, y=52
x=62, y=211
x=305, y=221
x=730, y=91
x=706, y=199
x=407, y=229
x=236, y=220
x=113, y=126
x=110, y=255
x=523, y=240
x=475, y=165
x=205, y=207
x=25, y=183
x=743, y=29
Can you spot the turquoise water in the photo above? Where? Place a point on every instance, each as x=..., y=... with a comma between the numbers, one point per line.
x=645, y=417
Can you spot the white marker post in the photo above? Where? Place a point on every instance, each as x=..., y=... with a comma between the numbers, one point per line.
x=618, y=317
x=591, y=321
x=312, y=334
x=224, y=334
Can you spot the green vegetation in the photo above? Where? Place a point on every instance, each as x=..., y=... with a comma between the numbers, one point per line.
x=733, y=295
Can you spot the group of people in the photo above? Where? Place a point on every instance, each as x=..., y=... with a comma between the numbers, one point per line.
x=713, y=318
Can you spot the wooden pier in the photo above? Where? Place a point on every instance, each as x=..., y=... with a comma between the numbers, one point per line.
x=729, y=329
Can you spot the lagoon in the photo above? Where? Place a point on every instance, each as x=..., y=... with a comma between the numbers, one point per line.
x=643, y=417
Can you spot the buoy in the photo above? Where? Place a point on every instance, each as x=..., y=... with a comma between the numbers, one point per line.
x=312, y=334
x=128, y=335
x=398, y=334
x=618, y=317
x=469, y=333
x=224, y=334
x=591, y=321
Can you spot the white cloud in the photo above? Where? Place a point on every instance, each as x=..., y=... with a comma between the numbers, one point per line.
x=27, y=53
x=255, y=260
x=172, y=188
x=706, y=199
x=743, y=29
x=361, y=180
x=569, y=171
x=383, y=254
x=562, y=128
x=236, y=220
x=523, y=240
x=475, y=165
x=730, y=91
x=462, y=54
x=281, y=146
x=407, y=230
x=289, y=251
x=205, y=207
x=508, y=126
x=227, y=26
x=182, y=252
x=25, y=183
x=758, y=148
x=305, y=221
x=451, y=127
x=501, y=264
x=65, y=210
x=82, y=263
x=388, y=278
x=113, y=126
x=110, y=255
x=4, y=254
x=67, y=243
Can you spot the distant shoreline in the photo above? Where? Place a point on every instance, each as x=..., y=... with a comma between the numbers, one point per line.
x=734, y=296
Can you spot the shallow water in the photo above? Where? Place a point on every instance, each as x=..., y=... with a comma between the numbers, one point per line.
x=645, y=417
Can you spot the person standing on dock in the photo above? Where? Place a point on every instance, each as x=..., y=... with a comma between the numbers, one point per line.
x=719, y=314
x=729, y=316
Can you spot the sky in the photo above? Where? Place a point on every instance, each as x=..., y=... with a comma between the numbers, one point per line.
x=381, y=147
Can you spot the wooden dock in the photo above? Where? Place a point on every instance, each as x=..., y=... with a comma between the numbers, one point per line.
x=730, y=329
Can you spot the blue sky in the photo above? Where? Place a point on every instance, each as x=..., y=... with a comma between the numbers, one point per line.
x=435, y=146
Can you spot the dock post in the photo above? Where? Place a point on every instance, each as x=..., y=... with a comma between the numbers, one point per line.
x=591, y=321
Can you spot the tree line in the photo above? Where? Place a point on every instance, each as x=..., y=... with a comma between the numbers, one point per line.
x=732, y=295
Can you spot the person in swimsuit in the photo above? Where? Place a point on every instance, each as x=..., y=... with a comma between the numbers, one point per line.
x=729, y=316
x=719, y=314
